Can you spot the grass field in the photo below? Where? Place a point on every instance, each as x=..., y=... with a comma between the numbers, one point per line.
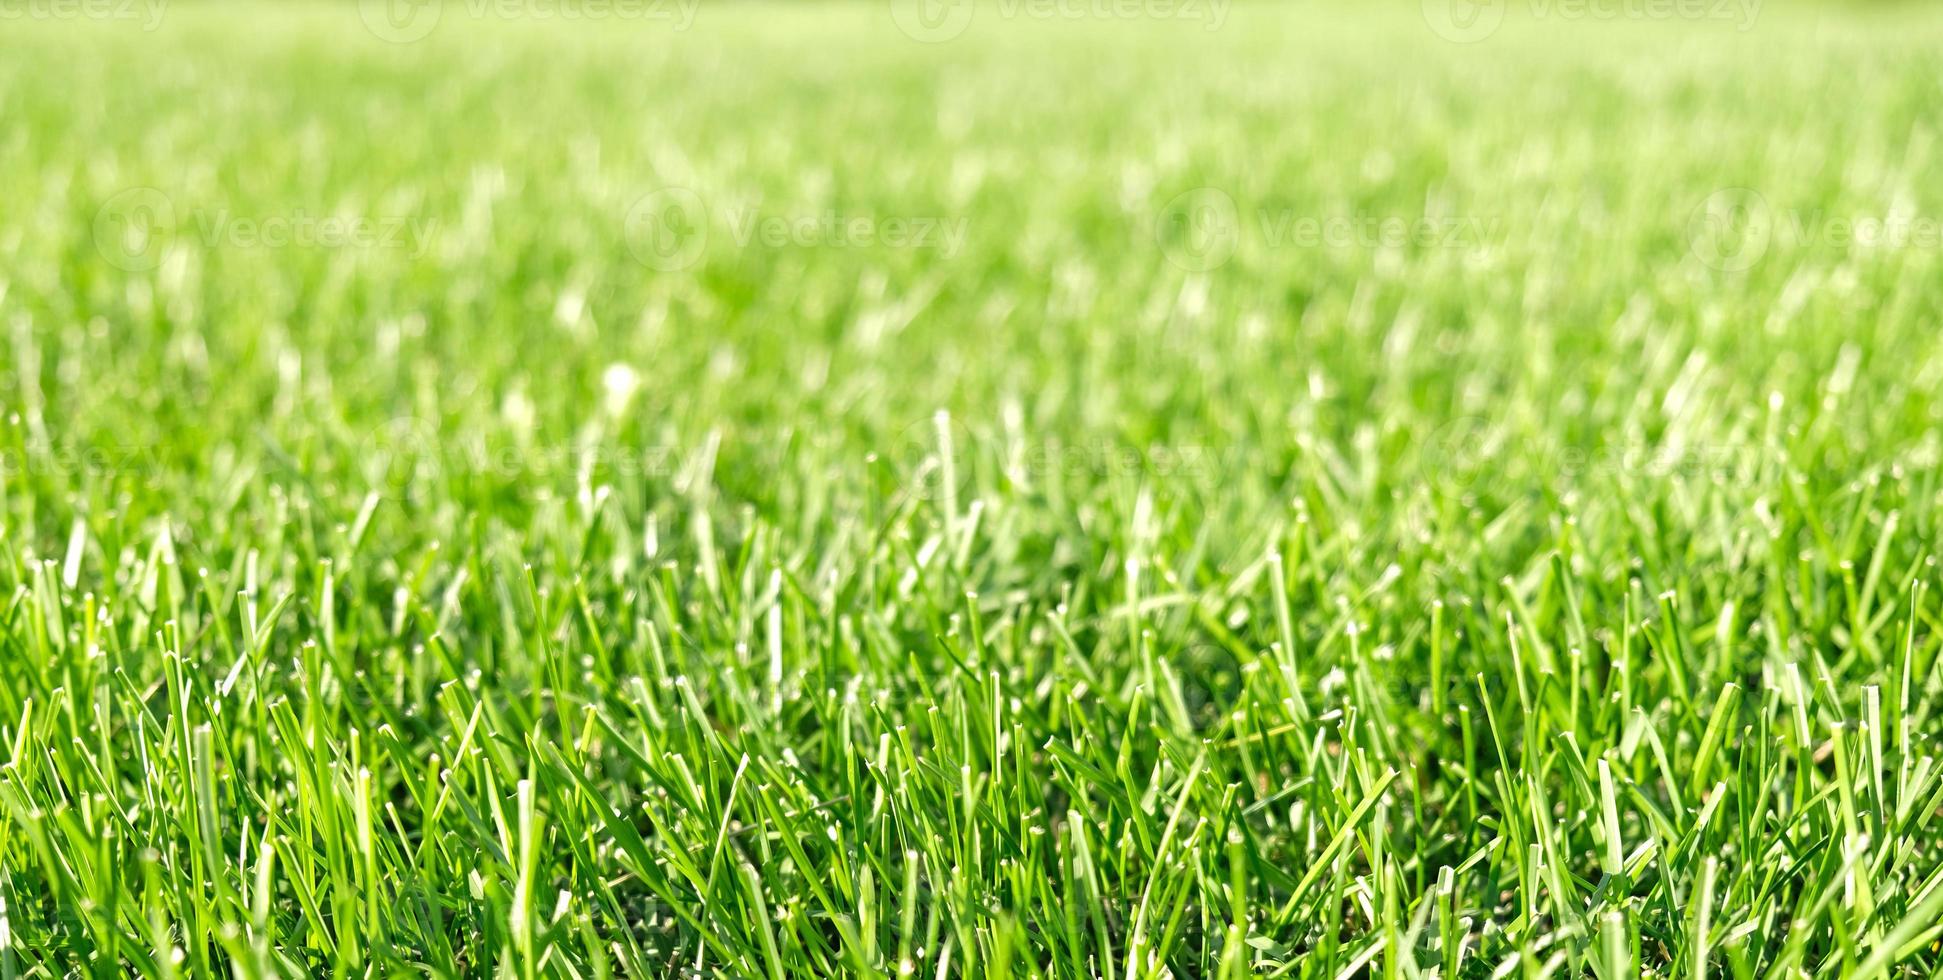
x=1091, y=490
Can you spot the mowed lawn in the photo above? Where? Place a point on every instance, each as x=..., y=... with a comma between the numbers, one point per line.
x=744, y=489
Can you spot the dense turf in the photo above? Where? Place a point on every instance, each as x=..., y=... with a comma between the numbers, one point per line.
x=733, y=490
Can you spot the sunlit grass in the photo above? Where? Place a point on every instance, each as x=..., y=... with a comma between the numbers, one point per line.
x=761, y=495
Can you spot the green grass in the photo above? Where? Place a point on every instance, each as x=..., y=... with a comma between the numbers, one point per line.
x=1097, y=496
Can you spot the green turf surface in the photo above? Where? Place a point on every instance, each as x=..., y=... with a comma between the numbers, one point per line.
x=1112, y=490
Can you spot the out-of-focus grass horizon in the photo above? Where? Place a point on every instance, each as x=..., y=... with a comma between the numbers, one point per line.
x=400, y=148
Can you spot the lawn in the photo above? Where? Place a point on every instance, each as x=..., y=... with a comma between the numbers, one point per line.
x=1086, y=489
